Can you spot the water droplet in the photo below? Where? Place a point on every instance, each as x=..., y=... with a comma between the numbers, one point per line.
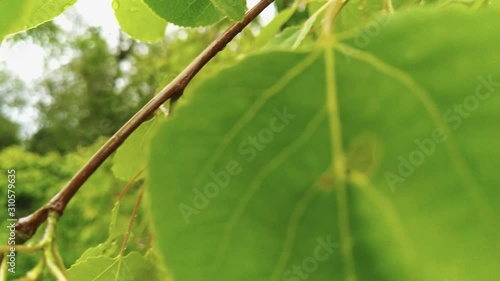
x=116, y=5
x=134, y=9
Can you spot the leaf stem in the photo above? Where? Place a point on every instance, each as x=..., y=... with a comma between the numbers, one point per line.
x=128, y=185
x=36, y=272
x=27, y=226
x=388, y=6
x=131, y=222
x=51, y=255
x=333, y=9
x=338, y=158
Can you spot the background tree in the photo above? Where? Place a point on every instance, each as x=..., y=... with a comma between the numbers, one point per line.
x=9, y=132
x=110, y=83
x=11, y=92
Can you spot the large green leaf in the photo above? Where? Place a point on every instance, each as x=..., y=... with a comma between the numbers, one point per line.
x=248, y=179
x=186, y=13
x=18, y=15
x=138, y=21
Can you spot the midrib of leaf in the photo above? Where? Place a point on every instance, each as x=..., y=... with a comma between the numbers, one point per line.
x=363, y=183
x=252, y=111
x=256, y=183
x=119, y=260
x=469, y=182
x=117, y=274
x=339, y=168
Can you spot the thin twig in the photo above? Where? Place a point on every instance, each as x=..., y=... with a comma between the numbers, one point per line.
x=22, y=248
x=27, y=226
x=36, y=272
x=129, y=184
x=131, y=222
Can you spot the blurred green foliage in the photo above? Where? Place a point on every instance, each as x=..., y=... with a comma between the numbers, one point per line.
x=86, y=100
x=9, y=132
x=81, y=103
x=85, y=221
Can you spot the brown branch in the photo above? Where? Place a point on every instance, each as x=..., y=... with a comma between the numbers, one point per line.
x=27, y=226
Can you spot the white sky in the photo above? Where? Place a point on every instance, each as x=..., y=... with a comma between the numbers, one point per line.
x=27, y=60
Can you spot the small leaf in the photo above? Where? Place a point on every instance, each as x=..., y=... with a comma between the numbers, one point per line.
x=133, y=267
x=269, y=31
x=186, y=13
x=133, y=154
x=234, y=9
x=138, y=20
x=110, y=247
x=287, y=39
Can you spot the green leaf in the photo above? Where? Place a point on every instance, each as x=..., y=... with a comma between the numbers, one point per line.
x=11, y=10
x=133, y=154
x=248, y=180
x=285, y=40
x=186, y=13
x=22, y=15
x=103, y=262
x=138, y=20
x=234, y=9
x=494, y=5
x=269, y=31
x=359, y=13
x=110, y=247
x=314, y=6
x=134, y=266
x=45, y=10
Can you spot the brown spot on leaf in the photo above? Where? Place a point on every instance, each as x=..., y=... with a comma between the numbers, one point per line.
x=325, y=182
